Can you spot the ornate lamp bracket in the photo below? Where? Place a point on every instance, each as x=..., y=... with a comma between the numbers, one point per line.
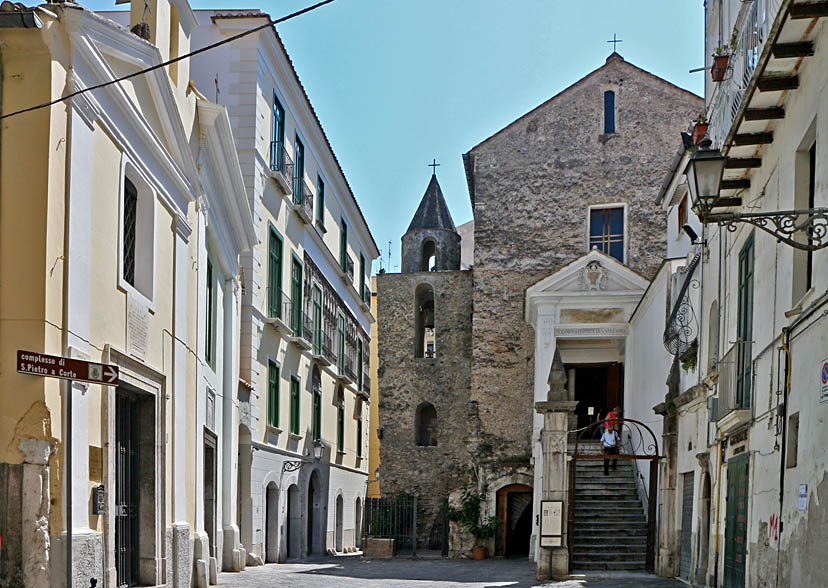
x=292, y=465
x=785, y=225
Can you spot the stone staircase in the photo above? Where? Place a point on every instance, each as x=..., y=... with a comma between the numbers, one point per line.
x=610, y=528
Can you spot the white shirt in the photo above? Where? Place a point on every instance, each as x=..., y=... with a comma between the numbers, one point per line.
x=609, y=438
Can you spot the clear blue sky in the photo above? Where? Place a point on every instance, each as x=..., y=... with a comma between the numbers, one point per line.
x=399, y=82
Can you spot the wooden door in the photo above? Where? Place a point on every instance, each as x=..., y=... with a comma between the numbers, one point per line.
x=736, y=522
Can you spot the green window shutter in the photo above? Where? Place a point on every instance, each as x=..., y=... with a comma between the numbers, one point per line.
x=744, y=324
x=294, y=405
x=274, y=276
x=298, y=169
x=320, y=198
x=317, y=320
x=362, y=277
x=317, y=415
x=359, y=435
x=340, y=347
x=359, y=364
x=273, y=394
x=343, y=245
x=296, y=296
x=340, y=426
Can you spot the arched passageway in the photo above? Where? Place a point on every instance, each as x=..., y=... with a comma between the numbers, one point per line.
x=514, y=509
x=315, y=528
x=294, y=523
x=358, y=523
x=271, y=523
x=340, y=504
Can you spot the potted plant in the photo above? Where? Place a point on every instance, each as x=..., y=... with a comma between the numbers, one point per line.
x=483, y=530
x=700, y=125
x=482, y=527
x=721, y=57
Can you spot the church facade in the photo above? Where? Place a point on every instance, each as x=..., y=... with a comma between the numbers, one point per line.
x=567, y=235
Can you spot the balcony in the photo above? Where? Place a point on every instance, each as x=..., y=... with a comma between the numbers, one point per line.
x=323, y=349
x=365, y=299
x=281, y=166
x=734, y=403
x=279, y=310
x=366, y=385
x=345, y=368
x=302, y=200
x=346, y=269
x=301, y=329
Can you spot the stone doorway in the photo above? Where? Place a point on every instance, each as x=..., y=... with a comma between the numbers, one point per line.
x=294, y=523
x=210, y=489
x=271, y=523
x=599, y=387
x=514, y=509
x=315, y=528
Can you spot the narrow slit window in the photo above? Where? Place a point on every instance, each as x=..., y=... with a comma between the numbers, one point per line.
x=130, y=222
x=609, y=112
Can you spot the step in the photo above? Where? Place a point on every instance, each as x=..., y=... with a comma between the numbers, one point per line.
x=607, y=505
x=608, y=483
x=625, y=494
x=623, y=518
x=614, y=527
x=590, y=539
x=590, y=509
x=615, y=554
x=621, y=566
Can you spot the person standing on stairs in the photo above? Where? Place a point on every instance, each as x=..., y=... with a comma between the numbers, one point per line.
x=609, y=446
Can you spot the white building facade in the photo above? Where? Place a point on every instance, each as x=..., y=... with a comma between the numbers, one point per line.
x=744, y=422
x=305, y=318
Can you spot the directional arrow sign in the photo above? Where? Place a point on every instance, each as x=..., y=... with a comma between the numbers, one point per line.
x=54, y=366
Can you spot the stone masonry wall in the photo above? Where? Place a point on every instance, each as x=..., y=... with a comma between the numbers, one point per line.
x=406, y=382
x=532, y=185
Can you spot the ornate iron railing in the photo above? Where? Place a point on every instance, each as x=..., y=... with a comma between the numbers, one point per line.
x=637, y=440
x=279, y=305
x=682, y=327
x=280, y=161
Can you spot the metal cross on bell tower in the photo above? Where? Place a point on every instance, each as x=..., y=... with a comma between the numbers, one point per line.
x=615, y=42
x=434, y=165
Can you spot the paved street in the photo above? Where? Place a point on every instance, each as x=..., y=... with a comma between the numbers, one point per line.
x=353, y=572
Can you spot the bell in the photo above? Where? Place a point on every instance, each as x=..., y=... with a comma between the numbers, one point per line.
x=428, y=317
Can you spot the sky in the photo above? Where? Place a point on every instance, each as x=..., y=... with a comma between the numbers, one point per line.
x=397, y=83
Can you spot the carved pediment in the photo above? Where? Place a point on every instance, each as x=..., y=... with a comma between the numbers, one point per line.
x=593, y=273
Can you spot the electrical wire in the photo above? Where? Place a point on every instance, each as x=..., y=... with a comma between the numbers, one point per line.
x=269, y=23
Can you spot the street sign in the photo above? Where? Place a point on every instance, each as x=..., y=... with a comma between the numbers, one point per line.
x=54, y=366
x=823, y=381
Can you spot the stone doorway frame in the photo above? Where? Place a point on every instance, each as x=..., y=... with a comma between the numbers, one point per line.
x=150, y=385
x=643, y=445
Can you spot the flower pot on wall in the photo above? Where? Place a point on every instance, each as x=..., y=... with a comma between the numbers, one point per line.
x=479, y=552
x=719, y=67
x=699, y=131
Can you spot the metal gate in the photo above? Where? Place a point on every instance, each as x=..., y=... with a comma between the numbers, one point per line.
x=686, y=525
x=736, y=522
x=126, y=490
x=417, y=524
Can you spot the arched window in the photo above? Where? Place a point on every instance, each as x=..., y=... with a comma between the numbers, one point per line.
x=424, y=333
x=713, y=337
x=609, y=112
x=429, y=260
x=425, y=425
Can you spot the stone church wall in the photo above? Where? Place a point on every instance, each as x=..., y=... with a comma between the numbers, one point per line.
x=405, y=383
x=532, y=185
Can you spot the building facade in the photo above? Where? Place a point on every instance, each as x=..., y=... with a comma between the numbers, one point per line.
x=746, y=460
x=566, y=238
x=109, y=245
x=306, y=306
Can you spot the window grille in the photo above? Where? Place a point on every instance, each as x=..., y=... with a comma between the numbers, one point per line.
x=130, y=221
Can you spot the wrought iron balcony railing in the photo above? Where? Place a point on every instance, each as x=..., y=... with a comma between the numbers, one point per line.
x=303, y=199
x=348, y=267
x=727, y=95
x=278, y=306
x=366, y=383
x=281, y=164
x=734, y=388
x=366, y=294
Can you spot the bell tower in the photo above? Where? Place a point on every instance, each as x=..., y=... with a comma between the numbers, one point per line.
x=431, y=242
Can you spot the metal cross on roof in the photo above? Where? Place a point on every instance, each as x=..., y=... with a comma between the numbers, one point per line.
x=614, y=42
x=434, y=165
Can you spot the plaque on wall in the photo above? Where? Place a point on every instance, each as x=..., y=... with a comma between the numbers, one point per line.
x=137, y=327
x=551, y=523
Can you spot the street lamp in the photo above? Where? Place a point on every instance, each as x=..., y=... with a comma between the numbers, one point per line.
x=704, y=177
x=318, y=448
x=805, y=229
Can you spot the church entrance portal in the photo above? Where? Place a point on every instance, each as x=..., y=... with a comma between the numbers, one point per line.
x=514, y=509
x=599, y=388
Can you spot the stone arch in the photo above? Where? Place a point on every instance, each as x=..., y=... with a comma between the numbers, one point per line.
x=315, y=530
x=339, y=531
x=358, y=522
x=271, y=523
x=425, y=343
x=429, y=255
x=510, y=498
x=294, y=523
x=425, y=425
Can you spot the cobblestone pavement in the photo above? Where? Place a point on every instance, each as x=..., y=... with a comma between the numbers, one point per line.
x=353, y=572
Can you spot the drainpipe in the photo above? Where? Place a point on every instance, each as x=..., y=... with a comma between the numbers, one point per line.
x=786, y=336
x=718, y=513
